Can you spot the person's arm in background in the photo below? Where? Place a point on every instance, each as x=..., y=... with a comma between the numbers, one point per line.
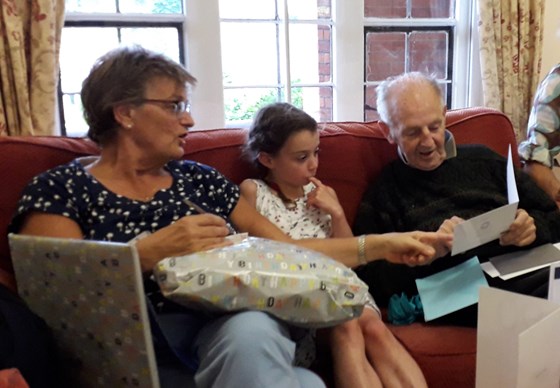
x=543, y=135
x=545, y=178
x=540, y=207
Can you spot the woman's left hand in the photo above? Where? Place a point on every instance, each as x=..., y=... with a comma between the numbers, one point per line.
x=414, y=248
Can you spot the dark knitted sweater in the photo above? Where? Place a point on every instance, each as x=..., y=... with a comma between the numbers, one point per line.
x=406, y=199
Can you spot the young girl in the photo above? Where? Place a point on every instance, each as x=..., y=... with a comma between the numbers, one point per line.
x=283, y=143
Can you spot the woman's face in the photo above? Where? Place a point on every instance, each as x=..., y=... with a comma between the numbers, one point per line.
x=157, y=127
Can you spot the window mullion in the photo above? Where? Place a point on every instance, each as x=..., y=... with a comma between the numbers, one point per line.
x=407, y=52
x=286, y=37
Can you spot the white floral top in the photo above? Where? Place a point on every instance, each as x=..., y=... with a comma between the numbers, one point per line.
x=298, y=223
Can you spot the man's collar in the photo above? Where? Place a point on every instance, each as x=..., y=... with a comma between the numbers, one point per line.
x=450, y=146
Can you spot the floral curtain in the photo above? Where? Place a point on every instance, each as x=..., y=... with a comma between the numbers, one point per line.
x=511, y=35
x=29, y=46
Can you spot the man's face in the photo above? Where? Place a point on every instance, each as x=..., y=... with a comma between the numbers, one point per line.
x=419, y=129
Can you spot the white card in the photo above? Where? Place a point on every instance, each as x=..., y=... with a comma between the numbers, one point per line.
x=488, y=226
x=518, y=345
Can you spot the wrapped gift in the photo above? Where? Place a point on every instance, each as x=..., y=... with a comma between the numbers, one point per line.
x=297, y=285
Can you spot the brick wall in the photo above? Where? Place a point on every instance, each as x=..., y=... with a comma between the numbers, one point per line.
x=325, y=93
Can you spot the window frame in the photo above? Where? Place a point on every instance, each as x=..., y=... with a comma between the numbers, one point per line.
x=201, y=36
x=409, y=28
x=116, y=20
x=284, y=86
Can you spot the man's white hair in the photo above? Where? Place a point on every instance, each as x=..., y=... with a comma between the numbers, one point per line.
x=386, y=100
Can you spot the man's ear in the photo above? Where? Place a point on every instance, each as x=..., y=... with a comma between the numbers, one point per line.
x=265, y=159
x=386, y=132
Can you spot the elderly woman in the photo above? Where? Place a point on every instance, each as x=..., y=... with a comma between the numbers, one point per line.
x=136, y=104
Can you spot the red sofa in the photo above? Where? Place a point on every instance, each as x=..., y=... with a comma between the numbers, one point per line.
x=352, y=154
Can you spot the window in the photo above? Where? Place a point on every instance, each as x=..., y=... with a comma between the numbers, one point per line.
x=92, y=28
x=275, y=50
x=408, y=35
x=321, y=55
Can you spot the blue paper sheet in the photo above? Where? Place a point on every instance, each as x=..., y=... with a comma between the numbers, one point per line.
x=451, y=290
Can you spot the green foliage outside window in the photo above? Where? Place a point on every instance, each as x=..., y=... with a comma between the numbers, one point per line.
x=244, y=108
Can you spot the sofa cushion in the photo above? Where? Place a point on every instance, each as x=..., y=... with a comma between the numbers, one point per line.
x=446, y=354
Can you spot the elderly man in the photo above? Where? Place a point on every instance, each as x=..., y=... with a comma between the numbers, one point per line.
x=434, y=185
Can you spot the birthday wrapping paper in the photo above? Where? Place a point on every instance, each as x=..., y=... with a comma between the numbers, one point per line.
x=298, y=285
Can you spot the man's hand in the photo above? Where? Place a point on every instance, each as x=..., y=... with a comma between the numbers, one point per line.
x=521, y=232
x=447, y=227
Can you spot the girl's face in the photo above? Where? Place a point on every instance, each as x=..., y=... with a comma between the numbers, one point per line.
x=297, y=160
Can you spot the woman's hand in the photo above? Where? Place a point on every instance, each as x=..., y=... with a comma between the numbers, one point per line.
x=188, y=235
x=521, y=232
x=413, y=248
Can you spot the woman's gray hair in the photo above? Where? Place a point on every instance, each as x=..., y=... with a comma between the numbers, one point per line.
x=121, y=76
x=386, y=101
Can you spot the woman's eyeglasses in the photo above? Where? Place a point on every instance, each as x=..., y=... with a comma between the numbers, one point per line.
x=176, y=107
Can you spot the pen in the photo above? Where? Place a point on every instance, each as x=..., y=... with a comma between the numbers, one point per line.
x=200, y=210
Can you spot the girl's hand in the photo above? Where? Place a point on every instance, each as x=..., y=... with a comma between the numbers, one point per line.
x=324, y=197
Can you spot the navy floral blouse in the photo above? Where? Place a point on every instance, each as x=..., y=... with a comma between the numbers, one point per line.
x=69, y=190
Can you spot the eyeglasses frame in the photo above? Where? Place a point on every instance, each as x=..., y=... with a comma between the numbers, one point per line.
x=178, y=106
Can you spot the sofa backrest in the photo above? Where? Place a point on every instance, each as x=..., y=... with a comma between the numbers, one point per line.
x=352, y=154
